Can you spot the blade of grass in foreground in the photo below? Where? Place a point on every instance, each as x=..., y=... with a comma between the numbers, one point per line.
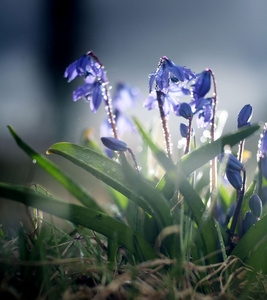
x=102, y=167
x=74, y=188
x=90, y=218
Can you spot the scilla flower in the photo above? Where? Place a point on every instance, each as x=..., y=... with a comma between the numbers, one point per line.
x=262, y=153
x=244, y=116
x=114, y=144
x=93, y=74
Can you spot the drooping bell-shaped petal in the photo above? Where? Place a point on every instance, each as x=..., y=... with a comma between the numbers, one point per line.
x=82, y=91
x=255, y=205
x=202, y=85
x=114, y=144
x=235, y=179
x=96, y=96
x=77, y=68
x=264, y=196
x=162, y=78
x=248, y=222
x=204, y=116
x=151, y=101
x=176, y=70
x=124, y=97
x=184, y=110
x=244, y=116
x=183, y=130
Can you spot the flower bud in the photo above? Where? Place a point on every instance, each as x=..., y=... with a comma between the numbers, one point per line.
x=244, y=116
x=248, y=221
x=234, y=177
x=183, y=130
x=185, y=110
x=255, y=205
x=114, y=144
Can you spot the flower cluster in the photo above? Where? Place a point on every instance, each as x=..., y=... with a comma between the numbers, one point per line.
x=94, y=76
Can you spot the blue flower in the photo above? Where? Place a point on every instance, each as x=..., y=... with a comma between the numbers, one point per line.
x=84, y=66
x=244, y=116
x=183, y=130
x=169, y=102
x=202, y=85
x=90, y=92
x=93, y=73
x=233, y=169
x=124, y=97
x=166, y=72
x=114, y=144
x=123, y=124
x=184, y=110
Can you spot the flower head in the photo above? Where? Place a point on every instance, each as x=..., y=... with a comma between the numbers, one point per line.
x=93, y=73
x=184, y=110
x=114, y=144
x=166, y=72
x=202, y=85
x=244, y=116
x=255, y=205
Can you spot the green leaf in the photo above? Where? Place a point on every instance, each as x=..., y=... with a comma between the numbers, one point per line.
x=74, y=188
x=255, y=235
x=200, y=156
x=160, y=155
x=87, y=217
x=102, y=167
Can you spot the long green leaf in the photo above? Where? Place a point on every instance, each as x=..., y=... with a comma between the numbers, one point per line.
x=103, y=168
x=73, y=187
x=255, y=235
x=198, y=157
x=90, y=218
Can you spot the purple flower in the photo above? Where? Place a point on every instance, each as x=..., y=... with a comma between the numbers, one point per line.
x=124, y=97
x=169, y=102
x=204, y=116
x=183, y=130
x=233, y=169
x=93, y=73
x=166, y=72
x=114, y=144
x=123, y=125
x=184, y=110
x=202, y=85
x=84, y=66
x=244, y=116
x=262, y=153
x=90, y=92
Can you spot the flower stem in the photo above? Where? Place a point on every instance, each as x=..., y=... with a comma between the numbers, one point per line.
x=188, y=138
x=107, y=97
x=164, y=124
x=134, y=160
x=213, y=165
x=240, y=195
x=240, y=150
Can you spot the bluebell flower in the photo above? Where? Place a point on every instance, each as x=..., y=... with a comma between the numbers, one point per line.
x=123, y=124
x=244, y=116
x=169, y=103
x=93, y=74
x=166, y=72
x=205, y=114
x=255, y=205
x=202, y=85
x=233, y=169
x=84, y=66
x=184, y=110
x=114, y=144
x=90, y=92
x=124, y=97
x=183, y=130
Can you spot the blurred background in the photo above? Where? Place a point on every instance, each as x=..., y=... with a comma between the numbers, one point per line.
x=39, y=39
